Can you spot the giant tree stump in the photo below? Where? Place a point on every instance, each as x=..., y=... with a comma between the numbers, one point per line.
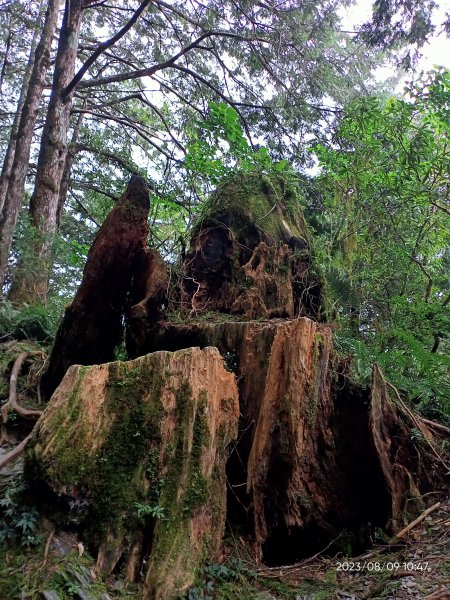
x=315, y=455
x=134, y=454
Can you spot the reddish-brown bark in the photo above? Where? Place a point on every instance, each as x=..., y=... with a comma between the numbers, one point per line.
x=92, y=325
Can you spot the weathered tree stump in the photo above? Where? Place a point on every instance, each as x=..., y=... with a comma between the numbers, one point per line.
x=92, y=325
x=135, y=452
x=315, y=455
x=250, y=255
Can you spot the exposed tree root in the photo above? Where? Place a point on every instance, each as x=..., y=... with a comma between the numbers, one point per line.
x=15, y=452
x=12, y=403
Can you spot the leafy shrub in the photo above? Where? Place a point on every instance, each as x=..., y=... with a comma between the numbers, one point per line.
x=18, y=520
x=215, y=576
x=35, y=322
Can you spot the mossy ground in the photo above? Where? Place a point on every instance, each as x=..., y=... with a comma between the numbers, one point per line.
x=24, y=576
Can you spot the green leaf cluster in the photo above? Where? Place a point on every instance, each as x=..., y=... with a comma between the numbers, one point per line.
x=384, y=234
x=218, y=147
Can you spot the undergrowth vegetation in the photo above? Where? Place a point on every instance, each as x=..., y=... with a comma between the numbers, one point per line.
x=37, y=322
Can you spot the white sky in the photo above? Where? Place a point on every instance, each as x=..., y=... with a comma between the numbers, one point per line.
x=437, y=53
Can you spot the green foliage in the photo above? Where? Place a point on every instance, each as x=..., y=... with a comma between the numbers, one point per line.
x=18, y=518
x=23, y=575
x=384, y=231
x=402, y=25
x=146, y=510
x=224, y=581
x=36, y=322
x=218, y=148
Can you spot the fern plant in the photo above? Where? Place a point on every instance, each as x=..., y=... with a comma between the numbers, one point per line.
x=18, y=519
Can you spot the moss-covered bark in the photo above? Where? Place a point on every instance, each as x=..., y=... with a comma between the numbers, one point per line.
x=249, y=253
x=137, y=451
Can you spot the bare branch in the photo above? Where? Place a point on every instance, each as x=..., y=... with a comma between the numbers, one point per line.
x=83, y=208
x=104, y=46
x=109, y=155
x=15, y=452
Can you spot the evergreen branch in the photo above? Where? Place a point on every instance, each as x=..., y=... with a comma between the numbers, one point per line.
x=102, y=47
x=149, y=71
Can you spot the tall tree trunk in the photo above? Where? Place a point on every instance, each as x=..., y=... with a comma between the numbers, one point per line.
x=30, y=283
x=70, y=158
x=15, y=167
x=9, y=155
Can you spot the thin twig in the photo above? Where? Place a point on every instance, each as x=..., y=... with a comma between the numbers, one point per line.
x=47, y=547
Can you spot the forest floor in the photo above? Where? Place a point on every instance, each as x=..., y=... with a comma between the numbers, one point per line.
x=418, y=567
x=58, y=567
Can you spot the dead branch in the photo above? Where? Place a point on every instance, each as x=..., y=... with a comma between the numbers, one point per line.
x=419, y=519
x=417, y=421
x=15, y=452
x=435, y=425
x=47, y=547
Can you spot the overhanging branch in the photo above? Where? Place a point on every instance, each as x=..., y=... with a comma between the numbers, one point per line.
x=149, y=71
x=102, y=47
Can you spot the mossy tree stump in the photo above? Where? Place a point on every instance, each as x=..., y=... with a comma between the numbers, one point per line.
x=316, y=455
x=249, y=253
x=134, y=454
x=315, y=451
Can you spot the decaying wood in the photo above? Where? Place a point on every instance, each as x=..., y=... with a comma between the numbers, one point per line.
x=436, y=426
x=92, y=325
x=153, y=431
x=315, y=454
x=249, y=254
x=313, y=451
x=419, y=519
x=147, y=298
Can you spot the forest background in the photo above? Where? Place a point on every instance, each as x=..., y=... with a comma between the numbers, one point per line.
x=185, y=94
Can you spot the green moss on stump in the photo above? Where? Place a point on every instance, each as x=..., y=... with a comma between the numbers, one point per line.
x=143, y=438
x=251, y=200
